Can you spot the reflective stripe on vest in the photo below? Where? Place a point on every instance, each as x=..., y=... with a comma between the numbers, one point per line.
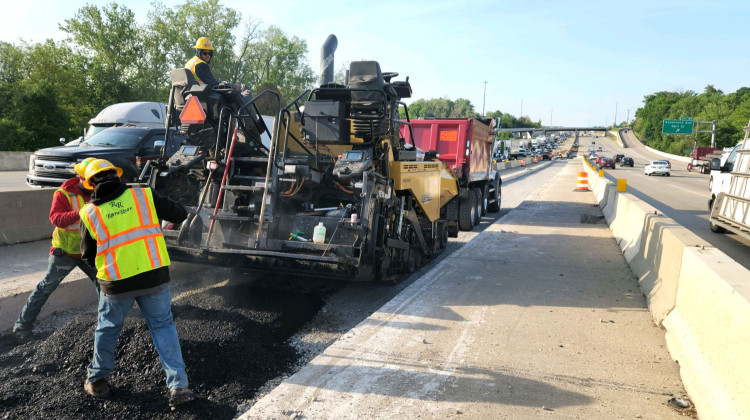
x=126, y=229
x=68, y=238
x=190, y=65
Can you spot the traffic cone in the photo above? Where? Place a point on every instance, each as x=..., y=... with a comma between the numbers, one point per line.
x=523, y=162
x=535, y=159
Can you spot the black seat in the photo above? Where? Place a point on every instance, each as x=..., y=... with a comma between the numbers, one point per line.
x=366, y=75
x=182, y=80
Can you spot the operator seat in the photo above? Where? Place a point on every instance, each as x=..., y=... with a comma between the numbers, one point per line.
x=182, y=81
x=368, y=108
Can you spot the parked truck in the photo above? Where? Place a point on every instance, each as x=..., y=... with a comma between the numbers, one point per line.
x=465, y=145
x=701, y=157
x=730, y=190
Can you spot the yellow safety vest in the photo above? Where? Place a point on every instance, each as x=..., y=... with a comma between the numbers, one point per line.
x=129, y=240
x=69, y=238
x=190, y=65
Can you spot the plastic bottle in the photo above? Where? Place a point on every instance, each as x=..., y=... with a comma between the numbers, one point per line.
x=319, y=234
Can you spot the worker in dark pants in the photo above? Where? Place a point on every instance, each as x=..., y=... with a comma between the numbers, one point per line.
x=121, y=236
x=65, y=253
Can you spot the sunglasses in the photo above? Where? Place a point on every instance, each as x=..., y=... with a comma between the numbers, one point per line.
x=208, y=53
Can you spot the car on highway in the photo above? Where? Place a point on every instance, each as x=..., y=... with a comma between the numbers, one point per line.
x=598, y=160
x=599, y=149
x=658, y=167
x=627, y=161
x=546, y=155
x=126, y=147
x=607, y=162
x=618, y=157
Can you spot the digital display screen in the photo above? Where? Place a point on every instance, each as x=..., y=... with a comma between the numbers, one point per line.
x=353, y=155
x=189, y=150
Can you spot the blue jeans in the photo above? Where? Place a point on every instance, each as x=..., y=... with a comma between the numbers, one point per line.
x=59, y=266
x=157, y=309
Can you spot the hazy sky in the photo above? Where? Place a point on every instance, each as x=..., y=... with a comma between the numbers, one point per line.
x=573, y=62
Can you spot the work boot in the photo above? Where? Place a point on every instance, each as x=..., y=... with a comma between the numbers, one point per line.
x=98, y=389
x=180, y=396
x=23, y=333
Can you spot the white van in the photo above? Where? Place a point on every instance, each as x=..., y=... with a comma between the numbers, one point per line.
x=126, y=114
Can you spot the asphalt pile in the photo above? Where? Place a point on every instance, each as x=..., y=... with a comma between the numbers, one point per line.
x=233, y=338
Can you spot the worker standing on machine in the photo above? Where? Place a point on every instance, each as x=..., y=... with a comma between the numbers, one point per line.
x=121, y=236
x=65, y=253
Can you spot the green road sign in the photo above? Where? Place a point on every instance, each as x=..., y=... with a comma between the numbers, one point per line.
x=686, y=118
x=677, y=127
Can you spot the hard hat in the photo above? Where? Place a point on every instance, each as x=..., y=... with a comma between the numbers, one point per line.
x=98, y=166
x=203, y=43
x=80, y=168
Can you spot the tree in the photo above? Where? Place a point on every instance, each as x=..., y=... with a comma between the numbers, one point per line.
x=108, y=40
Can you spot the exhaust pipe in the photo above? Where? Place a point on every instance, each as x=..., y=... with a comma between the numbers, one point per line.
x=326, y=59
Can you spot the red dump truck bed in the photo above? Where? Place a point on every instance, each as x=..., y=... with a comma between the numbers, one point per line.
x=465, y=145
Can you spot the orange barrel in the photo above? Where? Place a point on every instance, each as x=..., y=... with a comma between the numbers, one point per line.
x=523, y=162
x=535, y=161
x=583, y=181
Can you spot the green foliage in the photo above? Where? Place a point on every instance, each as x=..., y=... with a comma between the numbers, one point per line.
x=50, y=90
x=441, y=108
x=731, y=113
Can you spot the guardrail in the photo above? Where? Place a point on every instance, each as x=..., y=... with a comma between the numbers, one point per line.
x=697, y=293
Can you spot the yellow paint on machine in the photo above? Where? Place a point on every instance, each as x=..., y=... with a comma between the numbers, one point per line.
x=432, y=183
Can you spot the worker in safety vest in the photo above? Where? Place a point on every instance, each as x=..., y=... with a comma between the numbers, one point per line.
x=198, y=64
x=121, y=236
x=65, y=253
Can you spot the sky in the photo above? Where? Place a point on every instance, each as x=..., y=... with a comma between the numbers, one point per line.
x=565, y=63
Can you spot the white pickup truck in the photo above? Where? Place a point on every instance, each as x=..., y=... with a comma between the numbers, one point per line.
x=730, y=190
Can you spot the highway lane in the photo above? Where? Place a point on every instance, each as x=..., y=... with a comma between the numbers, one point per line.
x=683, y=196
x=13, y=181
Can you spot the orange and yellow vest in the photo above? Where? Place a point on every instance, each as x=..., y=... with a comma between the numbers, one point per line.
x=69, y=238
x=190, y=65
x=129, y=240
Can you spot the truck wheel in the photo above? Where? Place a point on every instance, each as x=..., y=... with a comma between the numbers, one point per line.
x=716, y=228
x=485, y=199
x=466, y=210
x=494, y=205
x=443, y=235
x=478, y=200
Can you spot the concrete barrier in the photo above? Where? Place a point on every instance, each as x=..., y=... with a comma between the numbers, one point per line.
x=14, y=161
x=697, y=293
x=24, y=216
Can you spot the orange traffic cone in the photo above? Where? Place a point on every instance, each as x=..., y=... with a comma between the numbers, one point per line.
x=583, y=181
x=535, y=159
x=523, y=162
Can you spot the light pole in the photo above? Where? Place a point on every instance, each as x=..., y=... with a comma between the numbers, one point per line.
x=628, y=120
x=520, y=116
x=484, y=96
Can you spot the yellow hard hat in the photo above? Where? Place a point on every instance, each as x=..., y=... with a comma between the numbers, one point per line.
x=97, y=166
x=80, y=167
x=203, y=43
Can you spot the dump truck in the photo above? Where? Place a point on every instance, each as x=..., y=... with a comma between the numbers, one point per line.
x=700, y=158
x=465, y=145
x=730, y=190
x=336, y=167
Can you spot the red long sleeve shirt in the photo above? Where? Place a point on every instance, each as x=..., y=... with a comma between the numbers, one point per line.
x=61, y=214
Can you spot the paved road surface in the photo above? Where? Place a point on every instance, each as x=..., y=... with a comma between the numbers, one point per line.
x=538, y=315
x=13, y=181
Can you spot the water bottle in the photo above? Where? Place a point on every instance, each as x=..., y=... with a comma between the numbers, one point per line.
x=319, y=234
